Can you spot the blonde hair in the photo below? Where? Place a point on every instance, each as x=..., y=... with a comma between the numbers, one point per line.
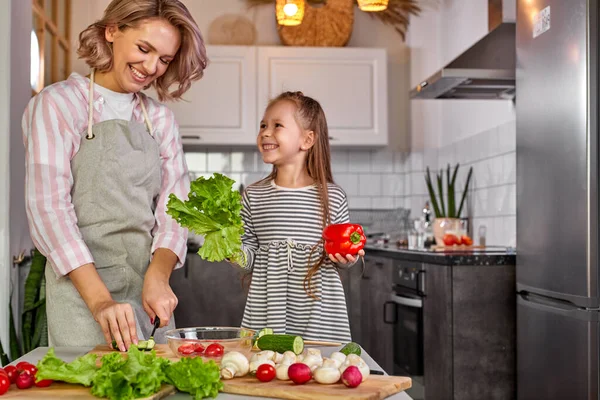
x=189, y=62
x=311, y=117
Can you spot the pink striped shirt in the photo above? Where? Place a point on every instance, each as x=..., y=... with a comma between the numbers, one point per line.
x=52, y=126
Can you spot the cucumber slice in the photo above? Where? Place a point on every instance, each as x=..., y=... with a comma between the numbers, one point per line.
x=114, y=345
x=150, y=344
x=281, y=343
x=351, y=348
x=142, y=345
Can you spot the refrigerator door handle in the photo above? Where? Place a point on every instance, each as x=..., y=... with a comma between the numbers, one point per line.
x=554, y=306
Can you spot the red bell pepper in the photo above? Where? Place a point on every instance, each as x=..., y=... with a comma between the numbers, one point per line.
x=344, y=239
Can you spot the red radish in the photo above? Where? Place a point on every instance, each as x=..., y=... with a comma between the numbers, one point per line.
x=299, y=373
x=24, y=381
x=352, y=376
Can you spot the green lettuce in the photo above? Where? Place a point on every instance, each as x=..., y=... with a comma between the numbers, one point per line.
x=212, y=210
x=139, y=375
x=81, y=370
x=192, y=375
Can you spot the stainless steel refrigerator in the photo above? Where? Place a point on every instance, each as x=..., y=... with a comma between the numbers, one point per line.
x=557, y=199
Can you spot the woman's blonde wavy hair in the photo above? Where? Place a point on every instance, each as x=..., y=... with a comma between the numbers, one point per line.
x=189, y=62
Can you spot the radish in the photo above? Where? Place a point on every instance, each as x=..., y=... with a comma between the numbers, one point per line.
x=352, y=377
x=299, y=373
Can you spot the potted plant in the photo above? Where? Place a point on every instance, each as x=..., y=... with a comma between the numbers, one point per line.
x=447, y=217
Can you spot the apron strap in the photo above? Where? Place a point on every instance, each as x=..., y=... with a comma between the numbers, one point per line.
x=90, y=135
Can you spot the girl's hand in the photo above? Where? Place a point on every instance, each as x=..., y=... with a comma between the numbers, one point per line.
x=118, y=320
x=338, y=258
x=157, y=296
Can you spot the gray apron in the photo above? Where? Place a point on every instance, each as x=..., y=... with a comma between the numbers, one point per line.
x=116, y=181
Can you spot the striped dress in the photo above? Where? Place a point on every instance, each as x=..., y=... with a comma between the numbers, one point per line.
x=281, y=227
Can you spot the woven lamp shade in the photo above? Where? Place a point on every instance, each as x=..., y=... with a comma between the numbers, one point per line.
x=372, y=5
x=289, y=12
x=328, y=25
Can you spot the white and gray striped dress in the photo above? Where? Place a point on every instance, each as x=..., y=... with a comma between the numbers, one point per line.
x=281, y=226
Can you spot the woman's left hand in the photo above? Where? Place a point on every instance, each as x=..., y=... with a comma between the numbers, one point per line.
x=157, y=296
x=338, y=258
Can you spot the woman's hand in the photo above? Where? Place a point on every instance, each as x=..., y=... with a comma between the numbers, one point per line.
x=118, y=320
x=157, y=296
x=338, y=258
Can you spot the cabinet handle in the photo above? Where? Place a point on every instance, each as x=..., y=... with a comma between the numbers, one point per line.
x=421, y=283
x=385, y=313
x=332, y=138
x=195, y=137
x=379, y=264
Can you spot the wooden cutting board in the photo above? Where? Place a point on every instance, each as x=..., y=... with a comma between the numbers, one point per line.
x=67, y=391
x=375, y=388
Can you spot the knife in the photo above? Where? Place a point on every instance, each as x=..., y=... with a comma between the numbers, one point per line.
x=156, y=324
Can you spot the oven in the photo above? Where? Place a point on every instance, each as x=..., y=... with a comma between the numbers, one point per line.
x=404, y=310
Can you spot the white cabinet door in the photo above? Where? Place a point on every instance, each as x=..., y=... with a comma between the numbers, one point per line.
x=350, y=84
x=220, y=108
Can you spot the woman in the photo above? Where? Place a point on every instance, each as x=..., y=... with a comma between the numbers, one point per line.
x=101, y=160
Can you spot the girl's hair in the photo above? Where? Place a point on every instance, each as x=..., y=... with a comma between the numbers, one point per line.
x=189, y=62
x=311, y=117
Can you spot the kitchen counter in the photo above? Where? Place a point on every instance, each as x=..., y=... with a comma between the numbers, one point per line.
x=489, y=256
x=68, y=354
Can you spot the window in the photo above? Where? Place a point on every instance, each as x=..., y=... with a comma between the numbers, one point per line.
x=51, y=35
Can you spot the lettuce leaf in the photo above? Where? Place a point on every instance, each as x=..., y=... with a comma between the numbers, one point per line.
x=137, y=376
x=212, y=210
x=81, y=370
x=192, y=375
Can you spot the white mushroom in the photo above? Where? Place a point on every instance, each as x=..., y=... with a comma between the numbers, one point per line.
x=234, y=364
x=257, y=363
x=313, y=361
x=336, y=355
x=328, y=373
x=353, y=359
x=281, y=370
x=263, y=355
x=277, y=358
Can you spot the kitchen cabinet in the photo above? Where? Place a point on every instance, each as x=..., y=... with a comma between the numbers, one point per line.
x=210, y=294
x=220, y=108
x=349, y=83
x=366, y=293
x=469, y=332
x=226, y=105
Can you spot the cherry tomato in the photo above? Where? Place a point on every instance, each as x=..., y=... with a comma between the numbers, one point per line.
x=12, y=373
x=24, y=381
x=265, y=372
x=44, y=383
x=21, y=365
x=30, y=369
x=4, y=384
x=214, y=350
x=186, y=349
x=198, y=348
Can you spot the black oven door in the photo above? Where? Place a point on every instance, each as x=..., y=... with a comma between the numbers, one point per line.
x=405, y=311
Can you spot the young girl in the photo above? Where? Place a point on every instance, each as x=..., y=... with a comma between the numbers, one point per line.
x=101, y=160
x=295, y=287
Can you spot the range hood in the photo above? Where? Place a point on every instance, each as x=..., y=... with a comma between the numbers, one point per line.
x=485, y=71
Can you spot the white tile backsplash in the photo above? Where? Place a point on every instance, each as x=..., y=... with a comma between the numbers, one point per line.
x=369, y=185
x=359, y=161
x=393, y=185
x=349, y=182
x=382, y=161
x=219, y=162
x=339, y=161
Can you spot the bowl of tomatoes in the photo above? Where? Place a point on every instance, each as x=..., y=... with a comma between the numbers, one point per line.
x=210, y=342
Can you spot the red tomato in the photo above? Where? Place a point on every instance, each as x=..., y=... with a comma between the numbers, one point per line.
x=12, y=373
x=186, y=349
x=21, y=365
x=467, y=241
x=4, y=384
x=265, y=372
x=24, y=381
x=450, y=239
x=30, y=369
x=198, y=348
x=214, y=350
x=44, y=383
